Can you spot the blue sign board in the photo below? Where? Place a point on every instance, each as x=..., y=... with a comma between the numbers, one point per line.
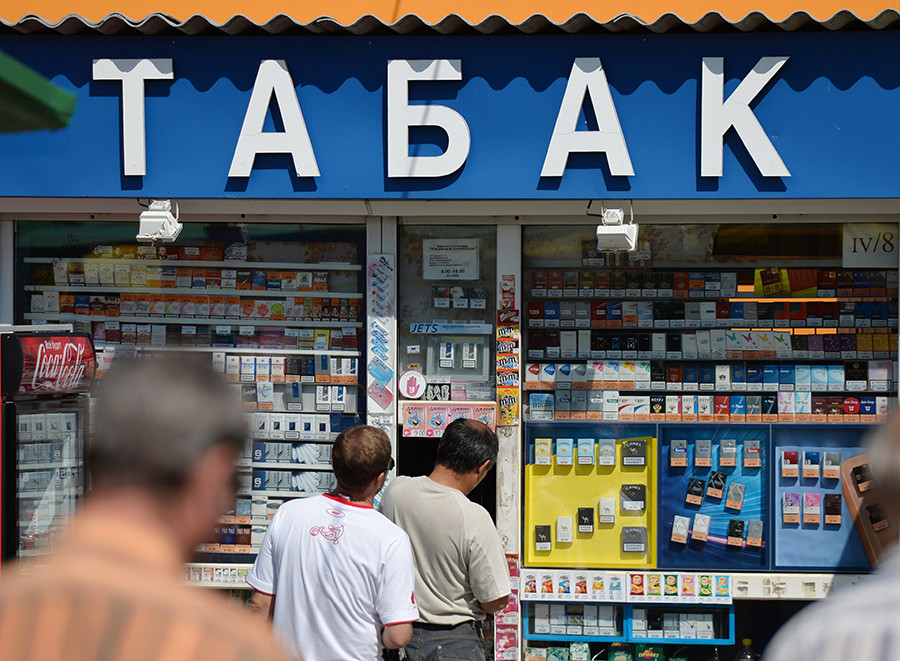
x=829, y=113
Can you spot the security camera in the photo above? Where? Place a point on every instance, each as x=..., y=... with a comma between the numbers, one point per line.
x=613, y=234
x=158, y=223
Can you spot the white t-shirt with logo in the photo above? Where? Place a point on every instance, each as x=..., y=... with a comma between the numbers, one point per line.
x=339, y=572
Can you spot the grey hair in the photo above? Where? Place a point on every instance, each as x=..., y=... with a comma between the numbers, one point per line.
x=154, y=418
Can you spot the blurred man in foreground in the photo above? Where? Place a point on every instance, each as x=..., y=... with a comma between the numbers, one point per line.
x=162, y=463
x=461, y=571
x=861, y=622
x=334, y=574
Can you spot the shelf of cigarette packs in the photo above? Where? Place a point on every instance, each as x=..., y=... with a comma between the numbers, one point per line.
x=830, y=357
x=282, y=460
x=282, y=382
x=190, y=302
x=578, y=625
x=220, y=575
x=577, y=607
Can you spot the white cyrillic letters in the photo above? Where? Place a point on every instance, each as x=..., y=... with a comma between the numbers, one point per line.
x=401, y=115
x=587, y=77
x=717, y=117
x=133, y=73
x=273, y=78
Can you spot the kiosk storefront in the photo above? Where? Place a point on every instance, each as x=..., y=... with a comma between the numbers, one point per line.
x=471, y=163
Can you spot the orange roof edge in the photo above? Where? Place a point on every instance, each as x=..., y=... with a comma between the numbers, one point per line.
x=348, y=12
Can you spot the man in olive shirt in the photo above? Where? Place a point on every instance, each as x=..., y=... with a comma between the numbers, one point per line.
x=461, y=571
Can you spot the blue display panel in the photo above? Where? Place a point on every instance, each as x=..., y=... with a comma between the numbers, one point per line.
x=806, y=544
x=829, y=105
x=722, y=549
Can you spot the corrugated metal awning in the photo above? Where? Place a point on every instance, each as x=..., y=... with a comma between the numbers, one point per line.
x=434, y=16
x=28, y=101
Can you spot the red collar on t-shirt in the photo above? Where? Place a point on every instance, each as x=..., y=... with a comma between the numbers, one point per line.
x=346, y=501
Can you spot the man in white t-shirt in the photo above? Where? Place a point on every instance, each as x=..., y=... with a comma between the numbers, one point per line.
x=461, y=570
x=334, y=574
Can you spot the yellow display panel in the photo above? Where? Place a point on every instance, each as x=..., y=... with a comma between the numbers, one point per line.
x=556, y=490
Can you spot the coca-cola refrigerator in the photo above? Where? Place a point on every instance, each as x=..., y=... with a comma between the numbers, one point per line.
x=44, y=380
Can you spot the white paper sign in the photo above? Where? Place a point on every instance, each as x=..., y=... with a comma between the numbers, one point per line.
x=870, y=245
x=450, y=259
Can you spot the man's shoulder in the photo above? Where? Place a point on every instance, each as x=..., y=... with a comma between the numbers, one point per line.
x=401, y=482
x=299, y=506
x=398, y=489
x=475, y=512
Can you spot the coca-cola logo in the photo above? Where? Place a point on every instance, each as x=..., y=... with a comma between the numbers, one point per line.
x=57, y=364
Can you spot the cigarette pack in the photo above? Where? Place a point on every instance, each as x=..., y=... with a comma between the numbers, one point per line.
x=716, y=486
x=585, y=519
x=735, y=533
x=564, y=451
x=585, y=451
x=735, y=497
x=790, y=463
x=790, y=507
x=678, y=453
x=634, y=452
x=634, y=497
x=680, y=526
x=833, y=509
x=634, y=539
x=606, y=509
x=696, y=488
x=812, y=507
x=542, y=539
x=606, y=451
x=700, y=530
x=543, y=451
x=564, y=530
x=831, y=467
x=703, y=453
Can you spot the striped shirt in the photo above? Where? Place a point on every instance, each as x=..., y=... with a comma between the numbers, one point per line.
x=114, y=591
x=861, y=622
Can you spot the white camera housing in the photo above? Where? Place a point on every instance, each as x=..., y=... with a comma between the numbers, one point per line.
x=614, y=235
x=158, y=223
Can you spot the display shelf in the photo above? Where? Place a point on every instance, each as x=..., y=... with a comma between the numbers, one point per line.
x=291, y=466
x=201, y=568
x=242, y=585
x=51, y=492
x=635, y=637
x=318, y=439
x=190, y=291
x=192, y=321
x=337, y=353
x=741, y=296
x=560, y=638
x=35, y=553
x=49, y=465
x=277, y=493
x=625, y=617
x=285, y=266
x=791, y=585
x=323, y=437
